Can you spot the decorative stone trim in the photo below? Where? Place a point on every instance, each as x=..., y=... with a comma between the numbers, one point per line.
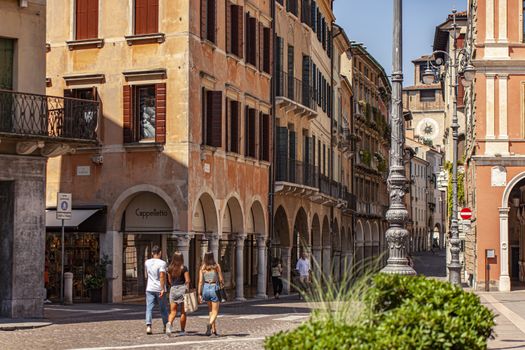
x=149, y=74
x=85, y=44
x=144, y=147
x=145, y=38
x=79, y=79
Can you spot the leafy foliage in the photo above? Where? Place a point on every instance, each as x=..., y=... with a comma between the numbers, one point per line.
x=98, y=277
x=401, y=312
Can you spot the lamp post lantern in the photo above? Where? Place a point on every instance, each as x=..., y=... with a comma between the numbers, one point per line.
x=458, y=66
x=397, y=214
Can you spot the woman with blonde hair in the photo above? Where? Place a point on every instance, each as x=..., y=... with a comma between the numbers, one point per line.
x=179, y=279
x=210, y=280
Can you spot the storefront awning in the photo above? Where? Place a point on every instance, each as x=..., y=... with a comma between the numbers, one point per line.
x=85, y=220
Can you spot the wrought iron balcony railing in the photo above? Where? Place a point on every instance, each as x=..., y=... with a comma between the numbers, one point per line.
x=294, y=89
x=48, y=116
x=297, y=172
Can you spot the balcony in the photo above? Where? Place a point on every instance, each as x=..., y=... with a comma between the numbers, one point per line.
x=296, y=177
x=371, y=209
x=293, y=95
x=39, y=119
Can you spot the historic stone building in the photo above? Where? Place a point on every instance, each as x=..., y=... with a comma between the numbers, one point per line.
x=184, y=151
x=33, y=128
x=495, y=147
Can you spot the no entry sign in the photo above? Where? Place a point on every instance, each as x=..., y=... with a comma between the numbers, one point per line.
x=465, y=213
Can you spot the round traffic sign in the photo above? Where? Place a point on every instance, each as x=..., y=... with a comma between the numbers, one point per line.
x=466, y=213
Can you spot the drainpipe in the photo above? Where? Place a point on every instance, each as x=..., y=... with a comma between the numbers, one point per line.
x=333, y=34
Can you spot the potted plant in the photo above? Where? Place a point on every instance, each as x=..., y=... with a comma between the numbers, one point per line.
x=95, y=281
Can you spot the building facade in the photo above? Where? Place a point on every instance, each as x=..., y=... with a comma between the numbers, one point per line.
x=495, y=148
x=33, y=128
x=184, y=142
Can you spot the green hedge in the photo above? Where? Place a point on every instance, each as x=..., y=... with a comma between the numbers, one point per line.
x=403, y=313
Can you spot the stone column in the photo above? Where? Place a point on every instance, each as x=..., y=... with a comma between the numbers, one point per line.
x=503, y=115
x=327, y=252
x=504, y=278
x=317, y=261
x=502, y=19
x=489, y=22
x=239, y=270
x=213, y=244
x=489, y=108
x=261, y=267
x=111, y=244
x=183, y=245
x=337, y=266
x=287, y=272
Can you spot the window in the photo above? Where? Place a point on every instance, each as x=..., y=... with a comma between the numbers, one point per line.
x=209, y=20
x=7, y=49
x=305, y=11
x=264, y=132
x=251, y=40
x=250, y=126
x=279, y=57
x=291, y=84
x=235, y=30
x=267, y=50
x=233, y=134
x=86, y=19
x=212, y=118
x=427, y=95
x=144, y=113
x=146, y=16
x=291, y=6
x=72, y=107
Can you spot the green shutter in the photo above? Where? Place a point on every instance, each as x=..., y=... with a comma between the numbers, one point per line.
x=6, y=63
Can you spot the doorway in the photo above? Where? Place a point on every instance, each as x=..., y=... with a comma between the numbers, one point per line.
x=136, y=250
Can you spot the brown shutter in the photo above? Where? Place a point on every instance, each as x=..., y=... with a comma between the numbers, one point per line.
x=141, y=15
x=240, y=31
x=267, y=50
x=152, y=20
x=127, y=113
x=260, y=47
x=229, y=25
x=234, y=122
x=246, y=131
x=214, y=118
x=212, y=20
x=261, y=136
x=160, y=113
x=228, y=122
x=81, y=17
x=461, y=96
x=92, y=19
x=204, y=18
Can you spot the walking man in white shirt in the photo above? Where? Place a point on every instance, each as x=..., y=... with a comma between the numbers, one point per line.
x=303, y=267
x=156, y=287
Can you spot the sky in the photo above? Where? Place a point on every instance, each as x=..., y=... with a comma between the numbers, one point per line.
x=370, y=22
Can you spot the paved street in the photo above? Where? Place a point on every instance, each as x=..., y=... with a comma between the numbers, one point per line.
x=87, y=326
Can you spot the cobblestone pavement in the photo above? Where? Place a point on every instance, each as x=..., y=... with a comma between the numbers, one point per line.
x=121, y=326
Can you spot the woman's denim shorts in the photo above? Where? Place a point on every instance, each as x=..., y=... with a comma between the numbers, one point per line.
x=209, y=292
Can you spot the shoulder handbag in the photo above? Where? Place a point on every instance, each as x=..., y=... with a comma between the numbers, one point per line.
x=221, y=293
x=190, y=301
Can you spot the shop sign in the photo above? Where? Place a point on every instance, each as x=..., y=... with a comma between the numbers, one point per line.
x=148, y=212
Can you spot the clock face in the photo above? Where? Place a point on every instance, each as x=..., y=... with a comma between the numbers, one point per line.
x=428, y=129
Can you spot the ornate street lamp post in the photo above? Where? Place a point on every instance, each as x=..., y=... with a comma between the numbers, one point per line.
x=397, y=214
x=459, y=68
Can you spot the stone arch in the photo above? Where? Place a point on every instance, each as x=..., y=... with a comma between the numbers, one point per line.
x=325, y=237
x=122, y=201
x=205, y=218
x=336, y=236
x=316, y=232
x=359, y=231
x=255, y=221
x=375, y=233
x=281, y=232
x=300, y=227
x=233, y=218
x=368, y=232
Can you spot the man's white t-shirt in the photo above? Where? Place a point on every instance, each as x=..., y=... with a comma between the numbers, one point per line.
x=303, y=265
x=153, y=268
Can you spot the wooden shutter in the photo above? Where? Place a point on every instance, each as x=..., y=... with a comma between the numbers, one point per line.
x=265, y=137
x=214, y=118
x=234, y=126
x=86, y=19
x=313, y=17
x=211, y=20
x=204, y=19
x=240, y=31
x=461, y=96
x=246, y=131
x=127, y=114
x=292, y=156
x=282, y=153
x=267, y=50
x=306, y=81
x=141, y=16
x=160, y=113
x=152, y=19
x=253, y=132
x=230, y=25
x=260, y=45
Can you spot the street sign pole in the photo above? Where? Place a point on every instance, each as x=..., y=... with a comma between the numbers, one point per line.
x=62, y=269
x=64, y=212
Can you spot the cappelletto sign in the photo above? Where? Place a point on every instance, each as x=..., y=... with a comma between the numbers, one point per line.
x=148, y=213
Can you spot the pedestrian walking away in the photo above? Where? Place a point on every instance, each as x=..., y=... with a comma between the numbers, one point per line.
x=303, y=267
x=210, y=280
x=156, y=288
x=179, y=280
x=277, y=281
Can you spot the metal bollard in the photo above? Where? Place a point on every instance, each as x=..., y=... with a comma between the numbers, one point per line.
x=68, y=288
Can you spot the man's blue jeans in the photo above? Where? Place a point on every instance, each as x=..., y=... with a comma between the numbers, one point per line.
x=151, y=299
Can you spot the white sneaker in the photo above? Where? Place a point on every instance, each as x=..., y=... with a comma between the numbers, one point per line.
x=148, y=330
x=168, y=330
